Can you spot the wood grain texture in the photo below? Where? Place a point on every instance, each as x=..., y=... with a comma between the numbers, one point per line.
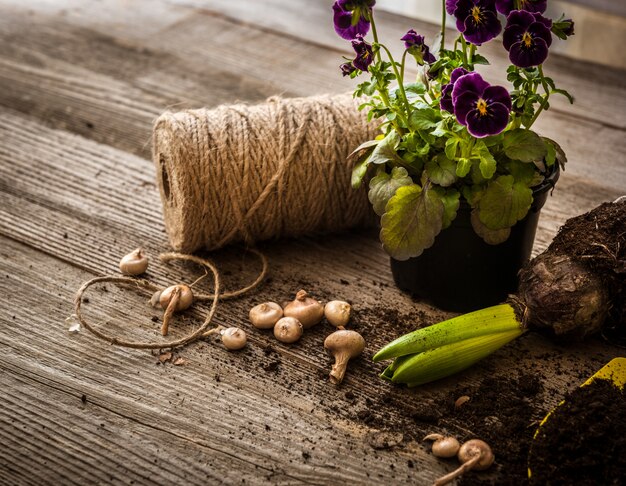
x=80, y=84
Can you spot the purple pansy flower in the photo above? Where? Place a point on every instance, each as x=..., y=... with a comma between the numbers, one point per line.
x=364, y=54
x=446, y=91
x=351, y=17
x=415, y=45
x=477, y=20
x=347, y=68
x=451, y=6
x=527, y=38
x=563, y=28
x=482, y=108
x=505, y=6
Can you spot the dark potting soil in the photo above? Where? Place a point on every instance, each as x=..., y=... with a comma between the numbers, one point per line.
x=584, y=443
x=598, y=239
x=502, y=412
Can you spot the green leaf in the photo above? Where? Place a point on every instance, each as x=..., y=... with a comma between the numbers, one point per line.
x=487, y=164
x=478, y=59
x=417, y=88
x=451, y=147
x=489, y=236
x=385, y=150
x=423, y=119
x=569, y=97
x=359, y=171
x=441, y=170
x=413, y=217
x=522, y=172
x=463, y=166
x=358, y=152
x=524, y=145
x=504, y=203
x=383, y=186
x=451, y=201
x=560, y=154
x=440, y=129
x=551, y=155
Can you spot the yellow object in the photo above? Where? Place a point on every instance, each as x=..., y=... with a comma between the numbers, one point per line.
x=614, y=370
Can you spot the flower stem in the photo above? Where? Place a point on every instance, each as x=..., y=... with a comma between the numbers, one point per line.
x=402, y=65
x=544, y=101
x=472, y=51
x=381, y=90
x=464, y=45
x=394, y=66
x=443, y=27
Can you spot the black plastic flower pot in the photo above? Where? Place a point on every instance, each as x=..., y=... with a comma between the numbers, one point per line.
x=461, y=272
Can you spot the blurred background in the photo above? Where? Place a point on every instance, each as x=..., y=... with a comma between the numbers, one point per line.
x=600, y=25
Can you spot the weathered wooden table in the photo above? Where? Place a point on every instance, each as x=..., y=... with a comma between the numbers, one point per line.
x=80, y=84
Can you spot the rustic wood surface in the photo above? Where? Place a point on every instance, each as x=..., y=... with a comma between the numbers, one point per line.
x=80, y=84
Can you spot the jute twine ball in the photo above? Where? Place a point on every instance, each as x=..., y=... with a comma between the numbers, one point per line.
x=241, y=173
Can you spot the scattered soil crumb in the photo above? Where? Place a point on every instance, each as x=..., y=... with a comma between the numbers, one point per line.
x=382, y=439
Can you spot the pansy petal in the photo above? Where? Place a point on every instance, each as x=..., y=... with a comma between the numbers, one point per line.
x=493, y=122
x=538, y=30
x=342, y=20
x=521, y=18
x=451, y=6
x=540, y=18
x=472, y=82
x=479, y=32
x=534, y=5
x=445, y=103
x=456, y=74
x=429, y=57
x=464, y=104
x=522, y=56
x=497, y=94
x=512, y=34
x=504, y=6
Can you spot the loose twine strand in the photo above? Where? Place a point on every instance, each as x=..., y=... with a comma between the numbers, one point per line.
x=199, y=333
x=249, y=173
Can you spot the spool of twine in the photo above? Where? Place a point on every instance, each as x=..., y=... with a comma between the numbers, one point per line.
x=254, y=172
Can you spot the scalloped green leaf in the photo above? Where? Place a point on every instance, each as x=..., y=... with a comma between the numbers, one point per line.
x=385, y=150
x=383, y=186
x=463, y=166
x=524, y=145
x=424, y=119
x=441, y=170
x=487, y=164
x=504, y=203
x=451, y=147
x=451, y=199
x=413, y=218
x=489, y=236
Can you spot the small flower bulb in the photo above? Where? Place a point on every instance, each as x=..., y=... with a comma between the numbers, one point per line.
x=266, y=315
x=234, y=338
x=337, y=312
x=288, y=330
x=135, y=263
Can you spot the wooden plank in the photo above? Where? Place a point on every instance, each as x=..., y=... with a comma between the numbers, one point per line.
x=188, y=420
x=69, y=207
x=189, y=416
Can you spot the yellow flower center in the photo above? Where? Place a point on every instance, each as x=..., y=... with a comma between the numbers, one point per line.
x=481, y=106
x=477, y=14
x=527, y=39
